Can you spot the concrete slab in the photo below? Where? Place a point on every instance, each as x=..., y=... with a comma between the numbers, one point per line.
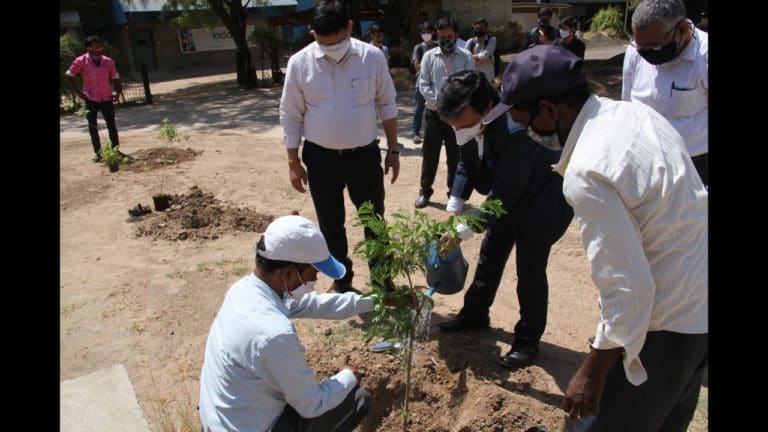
x=100, y=401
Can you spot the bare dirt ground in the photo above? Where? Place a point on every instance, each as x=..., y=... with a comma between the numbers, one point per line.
x=132, y=294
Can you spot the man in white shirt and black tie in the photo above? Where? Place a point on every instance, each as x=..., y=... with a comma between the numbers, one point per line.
x=642, y=213
x=334, y=89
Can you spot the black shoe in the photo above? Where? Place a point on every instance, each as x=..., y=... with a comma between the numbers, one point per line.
x=97, y=158
x=521, y=354
x=460, y=324
x=422, y=201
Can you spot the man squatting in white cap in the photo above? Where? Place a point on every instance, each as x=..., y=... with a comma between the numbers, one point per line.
x=255, y=375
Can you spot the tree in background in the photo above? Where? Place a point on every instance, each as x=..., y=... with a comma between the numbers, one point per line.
x=230, y=13
x=400, y=25
x=94, y=14
x=609, y=20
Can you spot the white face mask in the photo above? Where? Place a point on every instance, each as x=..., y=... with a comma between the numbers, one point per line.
x=336, y=51
x=303, y=290
x=426, y=37
x=564, y=33
x=465, y=135
x=578, y=34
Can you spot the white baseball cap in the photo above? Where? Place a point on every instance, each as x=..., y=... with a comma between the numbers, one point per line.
x=296, y=239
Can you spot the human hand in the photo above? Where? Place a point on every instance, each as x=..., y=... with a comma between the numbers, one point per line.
x=582, y=397
x=392, y=160
x=358, y=375
x=449, y=243
x=298, y=176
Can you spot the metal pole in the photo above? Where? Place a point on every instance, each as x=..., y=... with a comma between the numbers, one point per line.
x=626, y=14
x=145, y=80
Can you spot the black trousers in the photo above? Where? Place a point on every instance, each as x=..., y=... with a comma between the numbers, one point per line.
x=437, y=133
x=701, y=162
x=534, y=230
x=344, y=418
x=329, y=172
x=667, y=401
x=108, y=111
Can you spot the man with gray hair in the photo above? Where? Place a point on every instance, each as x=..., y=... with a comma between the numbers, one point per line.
x=666, y=66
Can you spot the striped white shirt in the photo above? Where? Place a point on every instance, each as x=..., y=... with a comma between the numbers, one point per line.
x=436, y=68
x=678, y=89
x=334, y=104
x=254, y=363
x=642, y=211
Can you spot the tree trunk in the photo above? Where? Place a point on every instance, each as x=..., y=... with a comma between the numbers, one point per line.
x=246, y=74
x=232, y=14
x=354, y=15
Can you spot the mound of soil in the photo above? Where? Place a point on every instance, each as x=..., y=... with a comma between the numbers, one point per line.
x=199, y=215
x=159, y=157
x=457, y=386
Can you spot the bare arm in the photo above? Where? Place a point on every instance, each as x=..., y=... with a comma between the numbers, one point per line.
x=582, y=397
x=118, y=88
x=73, y=85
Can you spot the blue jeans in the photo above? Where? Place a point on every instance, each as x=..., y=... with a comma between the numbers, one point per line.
x=418, y=115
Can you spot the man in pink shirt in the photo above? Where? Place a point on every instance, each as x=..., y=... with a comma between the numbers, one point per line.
x=97, y=70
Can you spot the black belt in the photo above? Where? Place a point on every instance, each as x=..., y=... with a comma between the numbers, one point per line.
x=343, y=152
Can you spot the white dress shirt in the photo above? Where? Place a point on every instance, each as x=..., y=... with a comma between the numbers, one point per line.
x=643, y=216
x=255, y=365
x=678, y=89
x=334, y=104
x=436, y=68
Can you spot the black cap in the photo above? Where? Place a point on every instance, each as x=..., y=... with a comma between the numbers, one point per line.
x=539, y=71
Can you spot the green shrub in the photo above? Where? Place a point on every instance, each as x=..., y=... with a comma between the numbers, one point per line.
x=169, y=134
x=111, y=155
x=69, y=48
x=609, y=20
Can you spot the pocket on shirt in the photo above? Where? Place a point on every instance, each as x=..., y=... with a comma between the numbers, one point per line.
x=686, y=103
x=362, y=91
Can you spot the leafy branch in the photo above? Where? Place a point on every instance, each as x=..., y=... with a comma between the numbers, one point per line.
x=398, y=249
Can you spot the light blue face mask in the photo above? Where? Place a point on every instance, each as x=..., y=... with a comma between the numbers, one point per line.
x=512, y=125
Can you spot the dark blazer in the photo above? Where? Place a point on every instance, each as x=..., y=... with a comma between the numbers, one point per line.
x=516, y=170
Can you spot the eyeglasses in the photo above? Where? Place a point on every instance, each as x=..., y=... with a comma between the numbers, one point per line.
x=654, y=47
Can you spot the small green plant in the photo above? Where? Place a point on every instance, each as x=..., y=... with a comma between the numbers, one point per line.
x=398, y=249
x=111, y=155
x=169, y=134
x=609, y=20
